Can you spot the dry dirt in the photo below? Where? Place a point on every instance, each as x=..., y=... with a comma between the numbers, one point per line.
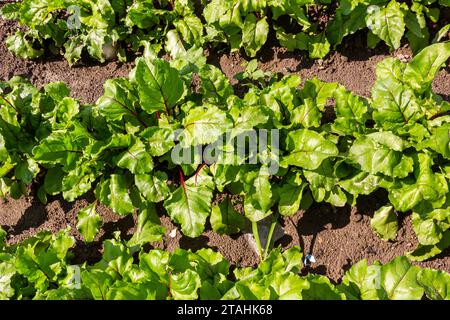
x=336, y=237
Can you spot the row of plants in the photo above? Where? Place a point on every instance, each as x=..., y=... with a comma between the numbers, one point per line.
x=123, y=147
x=39, y=268
x=107, y=29
x=102, y=29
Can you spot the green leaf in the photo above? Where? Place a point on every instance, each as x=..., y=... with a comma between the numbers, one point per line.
x=395, y=104
x=259, y=197
x=424, y=252
x=293, y=41
x=184, y=286
x=190, y=204
x=148, y=228
x=318, y=46
x=440, y=140
x=62, y=147
x=209, y=264
x=136, y=159
x=117, y=259
x=225, y=219
x=203, y=125
x=362, y=183
x=441, y=33
x=372, y=40
x=384, y=222
x=324, y=185
x=427, y=186
x=387, y=23
x=361, y=282
x=215, y=85
x=97, y=282
x=159, y=140
x=10, y=11
x=73, y=49
x=77, y=182
x=289, y=286
x=26, y=171
x=351, y=112
x=7, y=272
x=291, y=7
x=155, y=264
x=429, y=223
x=141, y=14
x=153, y=186
x=254, y=34
x=308, y=114
x=263, y=189
x=67, y=109
x=422, y=69
x=175, y=46
x=2, y=237
x=320, y=288
x=290, y=196
x=96, y=40
x=293, y=259
x=22, y=47
x=89, y=222
x=346, y=23
x=381, y=152
x=399, y=280
x=307, y=149
x=122, y=290
x=190, y=29
x=113, y=192
x=35, y=13
x=61, y=242
x=436, y=283
x=417, y=34
x=160, y=86
x=119, y=99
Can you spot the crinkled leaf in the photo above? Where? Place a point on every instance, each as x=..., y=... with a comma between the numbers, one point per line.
x=184, y=286
x=399, y=280
x=381, y=152
x=436, y=283
x=307, y=149
x=160, y=86
x=89, y=222
x=225, y=219
x=148, y=227
x=203, y=125
x=384, y=222
x=113, y=192
x=387, y=23
x=190, y=205
x=153, y=186
x=254, y=34
x=422, y=69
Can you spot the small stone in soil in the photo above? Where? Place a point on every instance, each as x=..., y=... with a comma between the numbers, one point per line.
x=371, y=250
x=173, y=233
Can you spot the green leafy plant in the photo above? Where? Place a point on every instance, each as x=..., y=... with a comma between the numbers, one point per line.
x=304, y=25
x=102, y=29
x=137, y=147
x=39, y=268
x=106, y=29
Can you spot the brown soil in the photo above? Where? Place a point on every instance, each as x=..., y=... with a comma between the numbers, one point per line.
x=336, y=237
x=86, y=82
